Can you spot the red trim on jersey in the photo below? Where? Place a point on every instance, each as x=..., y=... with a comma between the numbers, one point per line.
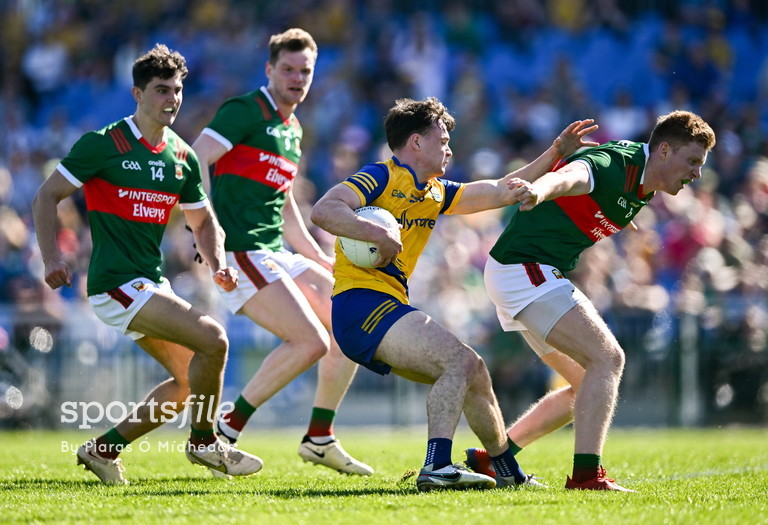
x=559, y=163
x=250, y=270
x=259, y=165
x=535, y=274
x=121, y=297
x=154, y=149
x=131, y=204
x=587, y=216
x=632, y=172
x=182, y=154
x=122, y=143
x=265, y=110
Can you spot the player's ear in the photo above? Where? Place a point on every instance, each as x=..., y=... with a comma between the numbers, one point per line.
x=664, y=150
x=415, y=141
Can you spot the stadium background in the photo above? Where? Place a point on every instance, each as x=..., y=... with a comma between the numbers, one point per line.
x=685, y=295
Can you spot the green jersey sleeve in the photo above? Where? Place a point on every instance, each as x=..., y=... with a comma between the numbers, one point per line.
x=233, y=121
x=86, y=158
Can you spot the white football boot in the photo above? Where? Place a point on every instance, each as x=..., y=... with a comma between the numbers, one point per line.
x=224, y=458
x=453, y=477
x=109, y=471
x=332, y=455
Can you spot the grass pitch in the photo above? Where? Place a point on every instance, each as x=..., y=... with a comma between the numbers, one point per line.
x=682, y=476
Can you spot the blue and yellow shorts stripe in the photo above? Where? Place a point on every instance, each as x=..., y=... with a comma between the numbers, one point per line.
x=361, y=318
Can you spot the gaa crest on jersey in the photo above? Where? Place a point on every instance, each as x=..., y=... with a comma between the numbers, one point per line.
x=140, y=286
x=179, y=171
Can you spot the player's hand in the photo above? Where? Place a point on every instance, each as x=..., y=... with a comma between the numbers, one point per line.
x=326, y=261
x=58, y=273
x=573, y=137
x=226, y=278
x=525, y=193
x=389, y=247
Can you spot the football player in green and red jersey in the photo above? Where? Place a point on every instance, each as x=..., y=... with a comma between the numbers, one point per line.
x=133, y=172
x=254, y=140
x=594, y=194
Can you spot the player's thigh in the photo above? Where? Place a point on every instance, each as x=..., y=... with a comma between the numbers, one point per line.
x=281, y=308
x=174, y=357
x=169, y=317
x=582, y=335
x=418, y=348
x=316, y=284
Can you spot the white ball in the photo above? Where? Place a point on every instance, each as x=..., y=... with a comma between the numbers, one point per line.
x=364, y=253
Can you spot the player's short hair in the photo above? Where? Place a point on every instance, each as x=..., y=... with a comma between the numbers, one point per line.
x=410, y=116
x=158, y=62
x=680, y=128
x=294, y=39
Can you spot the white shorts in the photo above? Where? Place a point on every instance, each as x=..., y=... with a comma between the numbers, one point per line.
x=530, y=296
x=118, y=307
x=258, y=268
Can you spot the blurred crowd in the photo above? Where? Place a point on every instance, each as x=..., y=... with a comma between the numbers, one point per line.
x=512, y=72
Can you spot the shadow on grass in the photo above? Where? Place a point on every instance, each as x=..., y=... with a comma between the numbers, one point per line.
x=181, y=486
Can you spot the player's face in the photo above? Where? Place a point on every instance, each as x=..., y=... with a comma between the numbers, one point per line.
x=434, y=148
x=680, y=167
x=160, y=100
x=290, y=77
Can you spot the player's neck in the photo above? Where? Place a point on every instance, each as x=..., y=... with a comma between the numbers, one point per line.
x=150, y=131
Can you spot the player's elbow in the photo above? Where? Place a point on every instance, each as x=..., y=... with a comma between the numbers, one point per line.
x=319, y=214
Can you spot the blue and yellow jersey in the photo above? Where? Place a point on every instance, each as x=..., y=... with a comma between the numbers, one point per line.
x=416, y=206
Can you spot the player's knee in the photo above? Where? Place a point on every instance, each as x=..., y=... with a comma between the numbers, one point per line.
x=215, y=345
x=316, y=347
x=473, y=366
x=612, y=359
x=617, y=360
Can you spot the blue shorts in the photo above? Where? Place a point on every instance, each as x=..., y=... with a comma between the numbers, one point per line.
x=361, y=318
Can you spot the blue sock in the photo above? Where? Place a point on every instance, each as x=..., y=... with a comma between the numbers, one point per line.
x=438, y=453
x=506, y=465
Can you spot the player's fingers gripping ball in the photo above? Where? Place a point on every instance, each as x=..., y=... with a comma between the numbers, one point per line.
x=365, y=253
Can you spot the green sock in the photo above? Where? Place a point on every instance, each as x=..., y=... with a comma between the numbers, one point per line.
x=201, y=438
x=321, y=422
x=110, y=444
x=585, y=467
x=238, y=417
x=513, y=446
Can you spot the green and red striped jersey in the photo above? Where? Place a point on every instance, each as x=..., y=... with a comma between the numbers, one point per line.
x=250, y=182
x=556, y=232
x=130, y=189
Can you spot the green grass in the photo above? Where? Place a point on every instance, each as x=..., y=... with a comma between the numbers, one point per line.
x=696, y=476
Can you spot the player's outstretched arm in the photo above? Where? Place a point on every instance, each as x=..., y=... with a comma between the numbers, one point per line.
x=44, y=213
x=572, y=179
x=489, y=194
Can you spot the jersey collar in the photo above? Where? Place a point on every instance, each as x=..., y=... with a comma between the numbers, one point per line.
x=136, y=133
x=419, y=185
x=640, y=192
x=271, y=101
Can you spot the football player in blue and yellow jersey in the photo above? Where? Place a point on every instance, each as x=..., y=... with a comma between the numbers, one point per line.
x=372, y=319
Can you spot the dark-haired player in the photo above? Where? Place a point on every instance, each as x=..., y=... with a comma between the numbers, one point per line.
x=134, y=172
